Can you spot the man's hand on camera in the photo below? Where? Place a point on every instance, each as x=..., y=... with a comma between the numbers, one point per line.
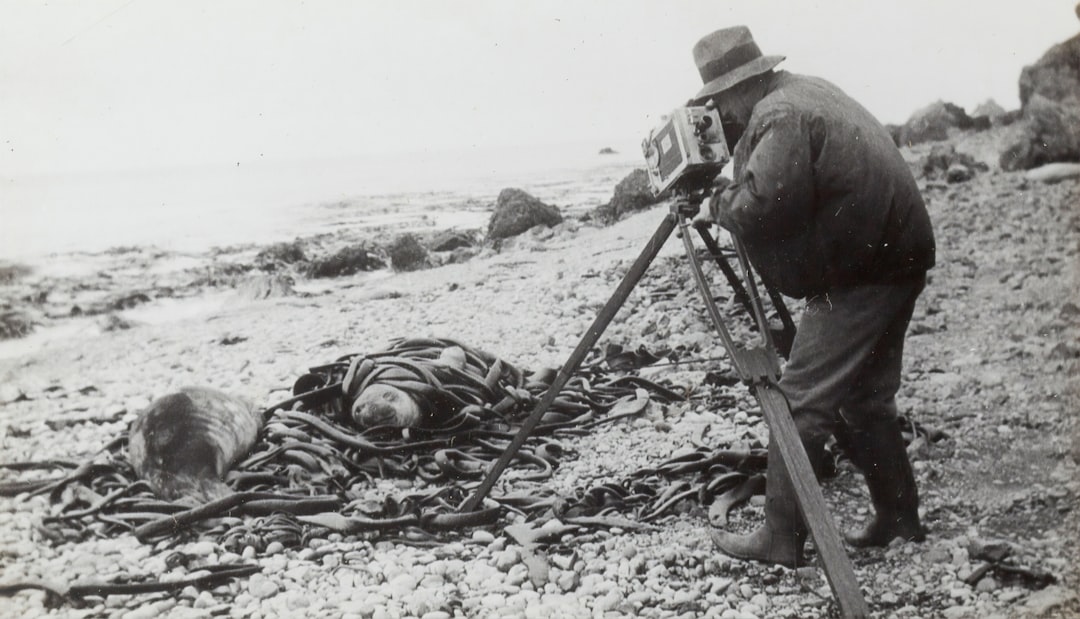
x=707, y=216
x=704, y=217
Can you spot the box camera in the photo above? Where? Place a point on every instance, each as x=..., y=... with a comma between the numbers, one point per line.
x=686, y=150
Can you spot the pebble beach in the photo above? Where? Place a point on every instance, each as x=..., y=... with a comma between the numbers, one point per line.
x=528, y=301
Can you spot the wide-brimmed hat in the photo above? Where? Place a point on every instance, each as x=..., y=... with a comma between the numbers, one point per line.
x=727, y=57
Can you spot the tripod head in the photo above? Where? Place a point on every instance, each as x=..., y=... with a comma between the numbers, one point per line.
x=686, y=203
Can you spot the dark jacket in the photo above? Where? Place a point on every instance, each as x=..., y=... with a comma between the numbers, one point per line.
x=821, y=197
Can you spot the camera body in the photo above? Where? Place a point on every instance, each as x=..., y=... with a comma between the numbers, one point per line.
x=686, y=150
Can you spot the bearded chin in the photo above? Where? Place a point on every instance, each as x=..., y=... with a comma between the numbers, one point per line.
x=732, y=132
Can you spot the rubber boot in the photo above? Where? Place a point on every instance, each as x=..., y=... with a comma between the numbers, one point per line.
x=879, y=452
x=780, y=540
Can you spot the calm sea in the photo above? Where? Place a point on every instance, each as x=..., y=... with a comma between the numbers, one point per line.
x=197, y=208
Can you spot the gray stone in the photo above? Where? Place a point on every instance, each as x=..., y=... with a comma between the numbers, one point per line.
x=1049, y=132
x=1055, y=76
x=260, y=587
x=277, y=255
x=449, y=240
x=932, y=123
x=986, y=585
x=506, y=559
x=990, y=110
x=407, y=254
x=633, y=193
x=958, y=612
x=516, y=211
x=958, y=173
x=346, y=261
x=937, y=554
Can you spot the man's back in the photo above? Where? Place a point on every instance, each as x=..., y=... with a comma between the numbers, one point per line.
x=839, y=206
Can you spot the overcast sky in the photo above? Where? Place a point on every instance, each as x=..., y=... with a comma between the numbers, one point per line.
x=120, y=84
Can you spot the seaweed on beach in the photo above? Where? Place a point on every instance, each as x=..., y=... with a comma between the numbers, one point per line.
x=312, y=472
x=309, y=460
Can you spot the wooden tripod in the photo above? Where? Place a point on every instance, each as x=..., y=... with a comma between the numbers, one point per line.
x=758, y=367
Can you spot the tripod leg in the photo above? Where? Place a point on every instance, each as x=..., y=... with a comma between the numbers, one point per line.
x=784, y=339
x=729, y=273
x=710, y=304
x=759, y=368
x=787, y=337
x=588, y=340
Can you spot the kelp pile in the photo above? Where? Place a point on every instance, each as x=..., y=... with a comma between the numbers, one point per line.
x=312, y=468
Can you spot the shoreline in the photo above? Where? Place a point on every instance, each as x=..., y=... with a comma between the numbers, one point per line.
x=60, y=294
x=988, y=362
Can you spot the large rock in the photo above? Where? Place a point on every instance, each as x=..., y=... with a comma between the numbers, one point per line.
x=276, y=256
x=932, y=123
x=1050, y=101
x=990, y=110
x=1049, y=132
x=407, y=254
x=347, y=261
x=1055, y=76
x=516, y=211
x=632, y=194
x=449, y=240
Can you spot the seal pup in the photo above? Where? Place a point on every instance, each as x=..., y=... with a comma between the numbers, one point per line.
x=184, y=443
x=385, y=404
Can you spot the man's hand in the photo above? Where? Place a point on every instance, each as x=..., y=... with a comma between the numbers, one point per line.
x=704, y=218
x=712, y=213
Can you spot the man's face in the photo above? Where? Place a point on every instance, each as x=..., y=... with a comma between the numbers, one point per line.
x=735, y=110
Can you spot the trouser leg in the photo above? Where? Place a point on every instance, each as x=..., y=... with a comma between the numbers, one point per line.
x=848, y=342
x=848, y=350
x=876, y=444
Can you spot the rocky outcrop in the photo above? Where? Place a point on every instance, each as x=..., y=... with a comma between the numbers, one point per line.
x=1050, y=104
x=407, y=254
x=516, y=211
x=632, y=194
x=932, y=123
x=990, y=110
x=278, y=255
x=1056, y=76
x=1049, y=132
x=449, y=240
x=347, y=261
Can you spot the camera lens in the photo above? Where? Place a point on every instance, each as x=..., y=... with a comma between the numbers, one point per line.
x=652, y=155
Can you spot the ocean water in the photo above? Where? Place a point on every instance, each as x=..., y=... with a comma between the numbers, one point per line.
x=193, y=209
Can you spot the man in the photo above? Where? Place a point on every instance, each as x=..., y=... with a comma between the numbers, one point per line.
x=828, y=212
